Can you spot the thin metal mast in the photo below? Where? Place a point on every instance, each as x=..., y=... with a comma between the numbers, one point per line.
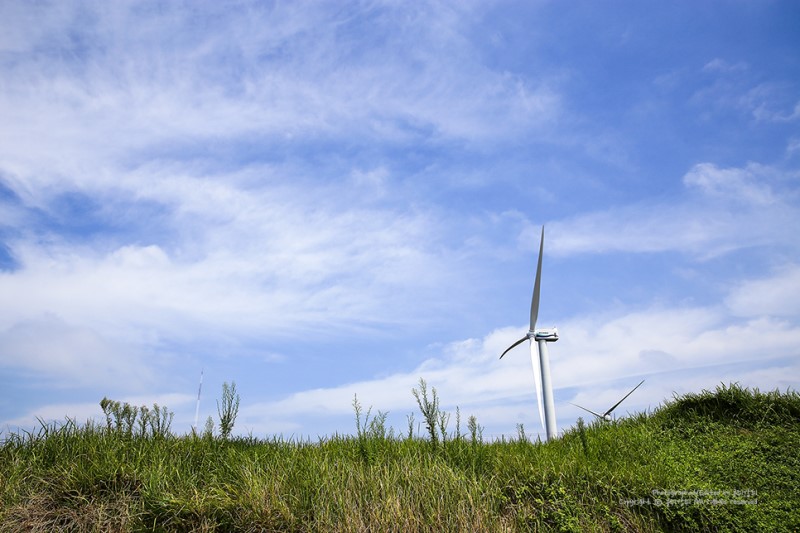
x=197, y=408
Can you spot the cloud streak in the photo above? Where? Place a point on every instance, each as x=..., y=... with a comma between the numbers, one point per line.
x=125, y=94
x=722, y=210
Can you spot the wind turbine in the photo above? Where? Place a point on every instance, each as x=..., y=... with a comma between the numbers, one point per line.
x=541, y=372
x=607, y=415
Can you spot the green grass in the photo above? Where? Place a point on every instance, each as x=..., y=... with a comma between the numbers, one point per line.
x=601, y=477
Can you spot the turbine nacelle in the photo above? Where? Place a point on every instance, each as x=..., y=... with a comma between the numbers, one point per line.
x=548, y=335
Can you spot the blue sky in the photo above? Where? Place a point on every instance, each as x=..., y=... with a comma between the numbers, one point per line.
x=322, y=199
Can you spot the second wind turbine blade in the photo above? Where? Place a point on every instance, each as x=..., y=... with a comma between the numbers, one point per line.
x=587, y=410
x=523, y=339
x=623, y=398
x=537, y=377
x=535, y=299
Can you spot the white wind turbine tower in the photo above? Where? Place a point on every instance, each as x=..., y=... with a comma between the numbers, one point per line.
x=541, y=371
x=607, y=415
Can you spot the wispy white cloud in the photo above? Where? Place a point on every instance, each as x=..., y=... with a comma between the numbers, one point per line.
x=792, y=146
x=741, y=186
x=723, y=209
x=256, y=263
x=736, y=86
x=720, y=65
x=70, y=356
x=776, y=295
x=762, y=104
x=72, y=119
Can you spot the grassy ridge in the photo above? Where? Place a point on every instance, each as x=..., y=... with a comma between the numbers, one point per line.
x=690, y=454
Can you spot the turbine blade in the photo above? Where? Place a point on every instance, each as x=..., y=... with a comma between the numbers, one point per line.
x=587, y=410
x=623, y=398
x=537, y=377
x=514, y=345
x=535, y=299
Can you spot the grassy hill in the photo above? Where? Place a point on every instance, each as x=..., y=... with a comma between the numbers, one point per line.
x=725, y=460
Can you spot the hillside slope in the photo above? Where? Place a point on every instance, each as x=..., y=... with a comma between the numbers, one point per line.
x=725, y=460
